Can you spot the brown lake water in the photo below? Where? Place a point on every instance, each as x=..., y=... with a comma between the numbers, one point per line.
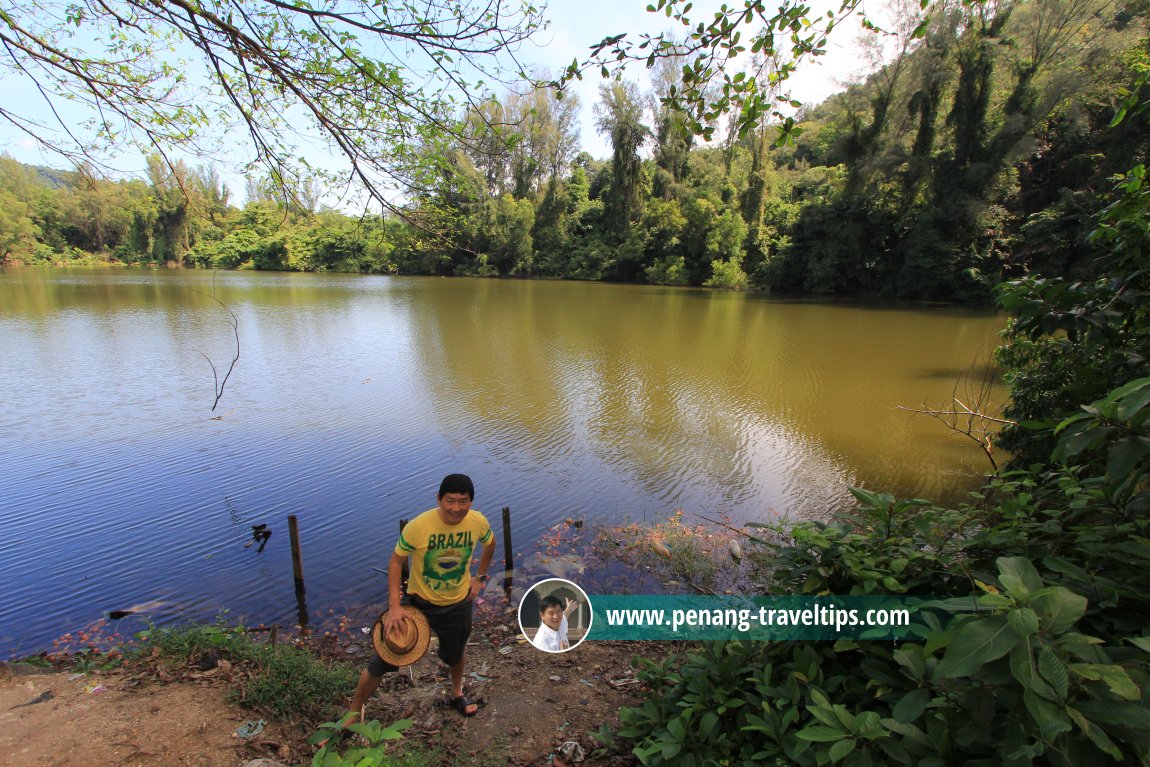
x=354, y=395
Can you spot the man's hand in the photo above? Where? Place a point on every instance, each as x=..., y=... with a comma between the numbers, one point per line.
x=570, y=608
x=476, y=587
x=393, y=622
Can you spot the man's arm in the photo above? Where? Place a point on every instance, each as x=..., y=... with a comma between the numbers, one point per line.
x=484, y=562
x=394, y=591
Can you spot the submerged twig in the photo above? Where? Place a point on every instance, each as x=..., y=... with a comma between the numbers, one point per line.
x=217, y=384
x=974, y=423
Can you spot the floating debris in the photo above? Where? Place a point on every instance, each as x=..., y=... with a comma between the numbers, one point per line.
x=143, y=607
x=260, y=535
x=560, y=566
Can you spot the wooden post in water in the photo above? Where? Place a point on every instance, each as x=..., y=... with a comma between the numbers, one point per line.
x=296, y=556
x=297, y=568
x=508, y=556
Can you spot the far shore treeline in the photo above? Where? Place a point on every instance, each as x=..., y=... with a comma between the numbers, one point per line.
x=975, y=156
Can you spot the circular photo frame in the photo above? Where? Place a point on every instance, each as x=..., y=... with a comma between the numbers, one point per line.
x=555, y=615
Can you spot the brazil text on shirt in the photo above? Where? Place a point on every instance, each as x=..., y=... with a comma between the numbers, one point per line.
x=437, y=541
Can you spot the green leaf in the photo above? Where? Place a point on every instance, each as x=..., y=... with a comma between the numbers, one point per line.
x=911, y=706
x=874, y=500
x=818, y=734
x=1014, y=586
x=1054, y=671
x=1124, y=455
x=911, y=658
x=1131, y=397
x=708, y=723
x=1024, y=621
x=1022, y=569
x=1049, y=716
x=839, y=750
x=1096, y=734
x=1115, y=677
x=977, y=643
x=1142, y=643
x=1024, y=669
x=1115, y=712
x=1058, y=608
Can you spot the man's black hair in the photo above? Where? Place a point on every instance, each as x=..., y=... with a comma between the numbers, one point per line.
x=549, y=601
x=457, y=483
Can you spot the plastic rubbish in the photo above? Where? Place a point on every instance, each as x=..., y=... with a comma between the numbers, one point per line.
x=572, y=751
x=250, y=729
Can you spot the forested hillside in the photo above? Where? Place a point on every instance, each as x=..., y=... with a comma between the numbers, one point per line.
x=973, y=153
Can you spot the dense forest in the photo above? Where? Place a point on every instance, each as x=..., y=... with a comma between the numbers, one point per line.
x=974, y=153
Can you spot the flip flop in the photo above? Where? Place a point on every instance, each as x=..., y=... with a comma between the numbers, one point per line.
x=461, y=703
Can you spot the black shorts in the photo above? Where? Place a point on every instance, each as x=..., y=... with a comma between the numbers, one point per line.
x=451, y=623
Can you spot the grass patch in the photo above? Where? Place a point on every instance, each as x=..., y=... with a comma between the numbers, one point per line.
x=285, y=681
x=291, y=683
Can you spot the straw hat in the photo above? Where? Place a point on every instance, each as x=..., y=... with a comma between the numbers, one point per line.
x=407, y=645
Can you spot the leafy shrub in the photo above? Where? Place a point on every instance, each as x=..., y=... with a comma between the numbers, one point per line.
x=370, y=754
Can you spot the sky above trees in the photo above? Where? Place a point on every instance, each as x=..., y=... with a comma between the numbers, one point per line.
x=572, y=30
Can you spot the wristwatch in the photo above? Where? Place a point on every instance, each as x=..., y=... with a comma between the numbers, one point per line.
x=483, y=578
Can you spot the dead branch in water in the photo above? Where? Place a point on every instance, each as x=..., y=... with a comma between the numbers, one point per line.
x=975, y=422
x=217, y=384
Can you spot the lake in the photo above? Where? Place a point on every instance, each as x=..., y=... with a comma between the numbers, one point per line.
x=354, y=395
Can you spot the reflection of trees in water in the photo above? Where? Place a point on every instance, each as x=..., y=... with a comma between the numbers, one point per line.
x=660, y=385
x=696, y=396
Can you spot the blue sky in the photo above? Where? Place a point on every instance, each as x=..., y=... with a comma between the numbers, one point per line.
x=574, y=27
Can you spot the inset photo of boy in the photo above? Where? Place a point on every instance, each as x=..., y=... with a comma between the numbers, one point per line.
x=555, y=615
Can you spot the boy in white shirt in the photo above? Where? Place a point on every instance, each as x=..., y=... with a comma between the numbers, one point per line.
x=552, y=633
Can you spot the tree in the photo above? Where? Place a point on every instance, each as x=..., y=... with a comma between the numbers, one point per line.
x=369, y=79
x=17, y=231
x=712, y=83
x=523, y=141
x=673, y=139
x=619, y=116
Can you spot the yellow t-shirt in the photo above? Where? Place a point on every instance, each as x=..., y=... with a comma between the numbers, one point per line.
x=441, y=554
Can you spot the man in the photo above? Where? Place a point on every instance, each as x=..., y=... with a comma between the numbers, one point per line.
x=552, y=633
x=441, y=543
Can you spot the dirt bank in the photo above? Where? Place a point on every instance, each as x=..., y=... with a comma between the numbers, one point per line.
x=533, y=703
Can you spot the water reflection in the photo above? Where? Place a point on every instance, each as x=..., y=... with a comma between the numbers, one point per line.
x=354, y=395
x=689, y=394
